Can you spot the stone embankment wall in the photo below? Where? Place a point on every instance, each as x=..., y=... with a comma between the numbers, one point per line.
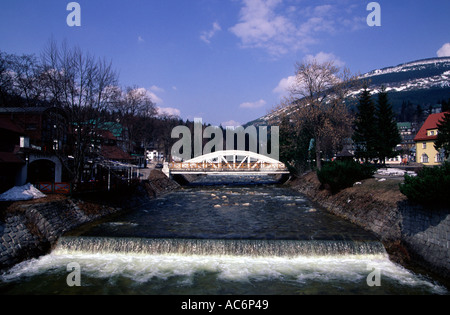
x=30, y=229
x=411, y=233
x=427, y=235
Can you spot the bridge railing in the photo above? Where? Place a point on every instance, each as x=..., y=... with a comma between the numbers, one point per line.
x=54, y=188
x=208, y=166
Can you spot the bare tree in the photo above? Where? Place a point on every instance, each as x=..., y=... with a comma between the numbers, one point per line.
x=22, y=81
x=137, y=102
x=317, y=104
x=6, y=79
x=27, y=81
x=83, y=86
x=134, y=107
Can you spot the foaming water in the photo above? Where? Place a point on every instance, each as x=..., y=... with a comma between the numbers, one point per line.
x=212, y=274
x=208, y=247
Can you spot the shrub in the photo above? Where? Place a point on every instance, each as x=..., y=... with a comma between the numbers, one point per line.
x=342, y=174
x=431, y=186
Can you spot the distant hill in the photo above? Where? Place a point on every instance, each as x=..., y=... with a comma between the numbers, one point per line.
x=424, y=82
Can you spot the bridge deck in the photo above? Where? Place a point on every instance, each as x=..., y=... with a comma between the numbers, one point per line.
x=212, y=172
x=229, y=163
x=227, y=168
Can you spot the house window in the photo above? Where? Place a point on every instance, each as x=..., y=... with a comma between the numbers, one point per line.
x=424, y=158
x=431, y=133
x=438, y=158
x=424, y=145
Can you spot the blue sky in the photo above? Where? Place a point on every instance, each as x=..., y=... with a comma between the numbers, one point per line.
x=228, y=61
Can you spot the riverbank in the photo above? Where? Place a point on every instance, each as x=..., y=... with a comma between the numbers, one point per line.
x=29, y=229
x=412, y=234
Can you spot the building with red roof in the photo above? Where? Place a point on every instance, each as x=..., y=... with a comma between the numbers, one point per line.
x=426, y=153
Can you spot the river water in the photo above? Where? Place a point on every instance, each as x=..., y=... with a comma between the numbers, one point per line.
x=232, y=238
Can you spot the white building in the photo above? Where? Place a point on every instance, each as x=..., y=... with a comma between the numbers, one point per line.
x=154, y=156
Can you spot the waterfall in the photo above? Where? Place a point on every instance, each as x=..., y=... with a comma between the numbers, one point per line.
x=211, y=247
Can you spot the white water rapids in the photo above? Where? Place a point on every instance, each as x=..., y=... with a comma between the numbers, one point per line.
x=151, y=273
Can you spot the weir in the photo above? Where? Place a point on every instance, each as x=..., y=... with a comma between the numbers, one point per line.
x=209, y=247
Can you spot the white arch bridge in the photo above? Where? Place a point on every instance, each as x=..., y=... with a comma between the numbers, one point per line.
x=229, y=163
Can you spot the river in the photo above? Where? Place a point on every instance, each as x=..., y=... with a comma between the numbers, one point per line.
x=247, y=237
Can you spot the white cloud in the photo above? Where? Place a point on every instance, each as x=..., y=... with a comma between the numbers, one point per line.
x=354, y=23
x=280, y=29
x=151, y=92
x=155, y=98
x=261, y=27
x=323, y=9
x=324, y=57
x=168, y=111
x=285, y=85
x=206, y=36
x=444, y=51
x=155, y=88
x=138, y=92
x=253, y=105
x=231, y=123
x=141, y=39
x=141, y=92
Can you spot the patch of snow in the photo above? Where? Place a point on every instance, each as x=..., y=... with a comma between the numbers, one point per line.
x=415, y=65
x=394, y=172
x=20, y=193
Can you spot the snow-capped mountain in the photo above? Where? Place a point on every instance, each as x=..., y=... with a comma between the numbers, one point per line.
x=416, y=75
x=423, y=82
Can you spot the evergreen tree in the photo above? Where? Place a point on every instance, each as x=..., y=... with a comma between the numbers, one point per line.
x=388, y=136
x=402, y=116
x=419, y=114
x=443, y=138
x=445, y=105
x=409, y=111
x=365, y=135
